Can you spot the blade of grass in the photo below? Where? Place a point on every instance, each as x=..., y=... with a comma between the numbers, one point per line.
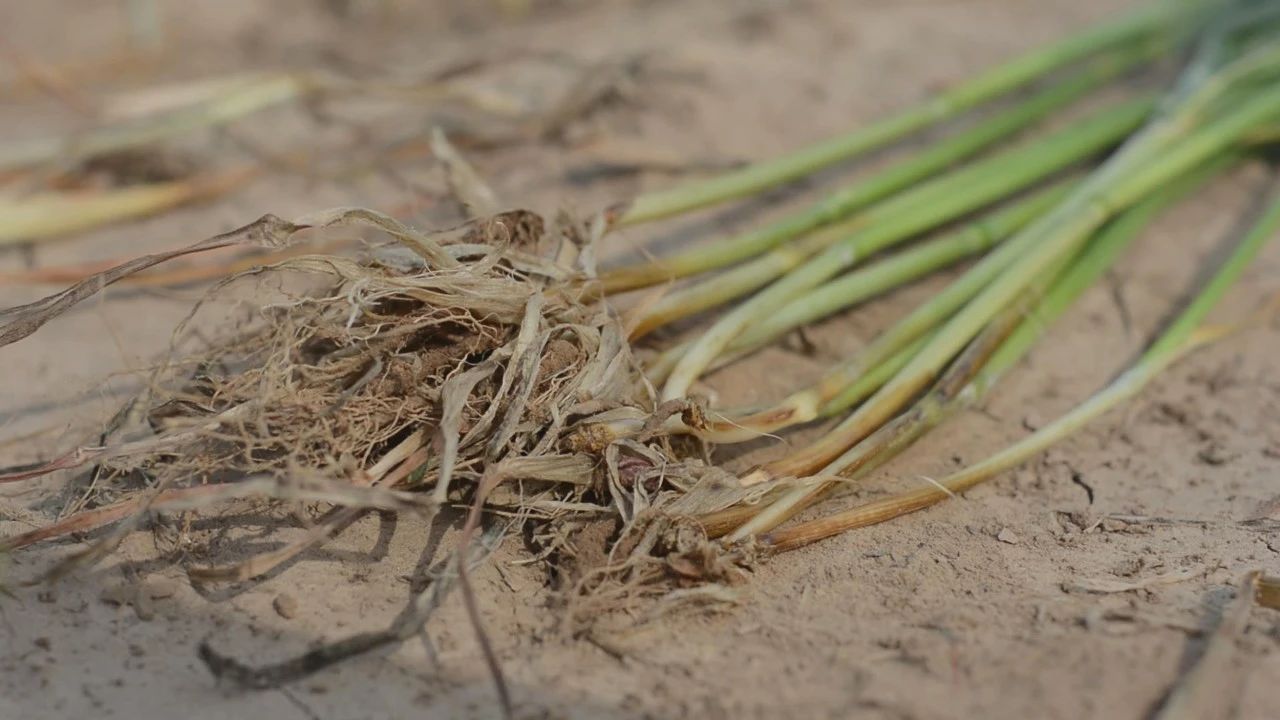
x=902, y=268
x=876, y=278
x=1147, y=162
x=1082, y=274
x=860, y=194
x=743, y=425
x=1184, y=334
x=1154, y=19
x=947, y=398
x=921, y=209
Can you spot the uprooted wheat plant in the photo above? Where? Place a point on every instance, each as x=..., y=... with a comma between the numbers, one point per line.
x=488, y=367
x=443, y=367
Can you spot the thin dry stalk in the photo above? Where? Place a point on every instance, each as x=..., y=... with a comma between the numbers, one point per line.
x=1212, y=689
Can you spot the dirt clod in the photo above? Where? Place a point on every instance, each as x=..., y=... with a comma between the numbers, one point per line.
x=285, y=605
x=1008, y=537
x=158, y=588
x=144, y=607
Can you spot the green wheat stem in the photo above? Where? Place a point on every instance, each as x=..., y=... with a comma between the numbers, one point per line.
x=1153, y=20
x=874, y=279
x=964, y=386
x=861, y=194
x=1152, y=159
x=1182, y=336
x=916, y=211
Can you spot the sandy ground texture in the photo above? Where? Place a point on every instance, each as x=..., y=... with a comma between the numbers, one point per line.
x=1023, y=599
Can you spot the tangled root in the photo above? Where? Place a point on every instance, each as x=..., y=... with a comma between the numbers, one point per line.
x=455, y=367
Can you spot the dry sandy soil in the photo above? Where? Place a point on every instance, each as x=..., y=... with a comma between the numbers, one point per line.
x=930, y=616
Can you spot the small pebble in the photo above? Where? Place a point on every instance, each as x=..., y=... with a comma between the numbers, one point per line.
x=286, y=606
x=1007, y=536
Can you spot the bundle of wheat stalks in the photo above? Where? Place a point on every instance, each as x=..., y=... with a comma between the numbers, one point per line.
x=487, y=366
